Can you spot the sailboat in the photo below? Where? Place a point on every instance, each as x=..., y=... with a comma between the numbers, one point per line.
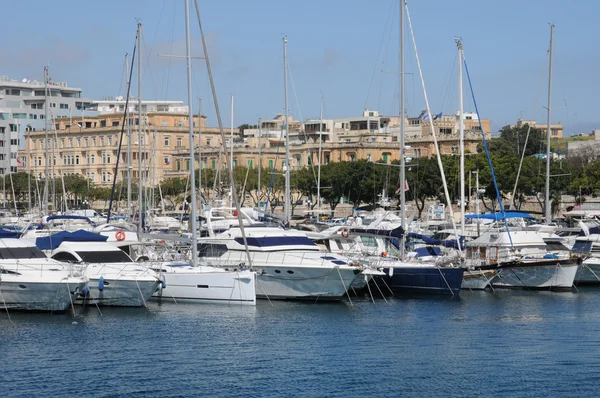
x=523, y=258
x=195, y=282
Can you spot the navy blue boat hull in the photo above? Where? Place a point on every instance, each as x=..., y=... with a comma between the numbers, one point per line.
x=423, y=280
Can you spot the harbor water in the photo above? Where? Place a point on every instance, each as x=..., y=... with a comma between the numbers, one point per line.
x=504, y=343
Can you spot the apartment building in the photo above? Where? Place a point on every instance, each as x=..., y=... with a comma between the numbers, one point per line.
x=22, y=110
x=89, y=146
x=370, y=136
x=556, y=129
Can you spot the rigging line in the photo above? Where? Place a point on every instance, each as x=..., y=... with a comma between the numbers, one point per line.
x=125, y=115
x=148, y=52
x=432, y=130
x=487, y=152
x=384, y=61
x=529, y=128
x=170, y=59
x=123, y=71
x=449, y=82
x=379, y=51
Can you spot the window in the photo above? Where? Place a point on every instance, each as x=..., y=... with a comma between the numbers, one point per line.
x=249, y=163
x=78, y=142
x=14, y=142
x=13, y=127
x=213, y=163
x=15, y=91
x=113, y=256
x=85, y=141
x=93, y=141
x=70, y=142
x=76, y=159
x=208, y=141
x=166, y=160
x=65, y=257
x=270, y=164
x=93, y=159
x=179, y=142
x=187, y=164
x=178, y=164
x=62, y=142
x=102, y=123
x=101, y=141
x=385, y=158
x=445, y=130
x=64, y=106
x=109, y=141
x=167, y=143
x=115, y=123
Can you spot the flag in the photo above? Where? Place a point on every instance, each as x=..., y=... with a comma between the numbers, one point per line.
x=405, y=188
x=19, y=161
x=439, y=115
x=426, y=117
x=108, y=172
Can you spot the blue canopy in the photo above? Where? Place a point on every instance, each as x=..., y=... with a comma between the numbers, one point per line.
x=437, y=242
x=4, y=233
x=500, y=216
x=53, y=241
x=394, y=233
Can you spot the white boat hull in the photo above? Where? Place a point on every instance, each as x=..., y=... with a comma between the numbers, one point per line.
x=121, y=292
x=17, y=294
x=477, y=279
x=284, y=282
x=589, y=272
x=548, y=275
x=208, y=285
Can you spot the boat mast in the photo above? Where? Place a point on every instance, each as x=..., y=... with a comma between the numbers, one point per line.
x=231, y=146
x=140, y=196
x=461, y=133
x=259, y=160
x=127, y=120
x=320, y=150
x=200, y=155
x=402, y=133
x=287, y=135
x=547, y=204
x=191, y=130
x=47, y=143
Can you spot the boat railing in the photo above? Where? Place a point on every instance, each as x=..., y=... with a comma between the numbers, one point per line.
x=232, y=259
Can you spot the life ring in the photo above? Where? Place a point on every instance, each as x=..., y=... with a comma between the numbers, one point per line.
x=120, y=235
x=344, y=233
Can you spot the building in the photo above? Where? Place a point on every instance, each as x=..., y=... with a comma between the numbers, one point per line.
x=370, y=136
x=587, y=150
x=22, y=109
x=90, y=147
x=116, y=105
x=556, y=129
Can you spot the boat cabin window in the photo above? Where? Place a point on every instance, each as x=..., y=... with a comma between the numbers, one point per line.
x=66, y=257
x=9, y=253
x=555, y=246
x=211, y=250
x=270, y=241
x=104, y=257
x=369, y=241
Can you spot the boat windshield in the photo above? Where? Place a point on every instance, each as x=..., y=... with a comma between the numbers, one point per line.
x=104, y=257
x=9, y=253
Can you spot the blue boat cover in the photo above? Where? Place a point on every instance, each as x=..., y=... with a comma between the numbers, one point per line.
x=437, y=242
x=592, y=231
x=9, y=234
x=394, y=233
x=500, y=216
x=53, y=241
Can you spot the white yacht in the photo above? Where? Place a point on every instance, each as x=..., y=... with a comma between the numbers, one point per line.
x=115, y=280
x=288, y=263
x=522, y=259
x=202, y=284
x=31, y=281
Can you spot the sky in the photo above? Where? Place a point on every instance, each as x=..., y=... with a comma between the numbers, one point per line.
x=344, y=51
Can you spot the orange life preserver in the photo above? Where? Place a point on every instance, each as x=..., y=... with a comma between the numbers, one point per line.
x=120, y=235
x=344, y=233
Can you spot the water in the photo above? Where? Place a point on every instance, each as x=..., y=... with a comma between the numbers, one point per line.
x=509, y=343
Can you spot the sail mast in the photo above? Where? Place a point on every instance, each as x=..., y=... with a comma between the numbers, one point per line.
x=547, y=204
x=402, y=132
x=140, y=196
x=191, y=131
x=461, y=133
x=287, y=136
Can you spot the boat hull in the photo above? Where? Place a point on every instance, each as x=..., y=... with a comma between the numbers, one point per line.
x=478, y=279
x=589, y=272
x=40, y=296
x=545, y=275
x=222, y=287
x=423, y=279
x=120, y=292
x=304, y=282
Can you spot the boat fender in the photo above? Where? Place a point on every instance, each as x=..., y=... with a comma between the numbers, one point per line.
x=163, y=280
x=85, y=291
x=391, y=272
x=101, y=283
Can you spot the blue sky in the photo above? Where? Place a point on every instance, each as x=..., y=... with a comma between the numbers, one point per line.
x=336, y=47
